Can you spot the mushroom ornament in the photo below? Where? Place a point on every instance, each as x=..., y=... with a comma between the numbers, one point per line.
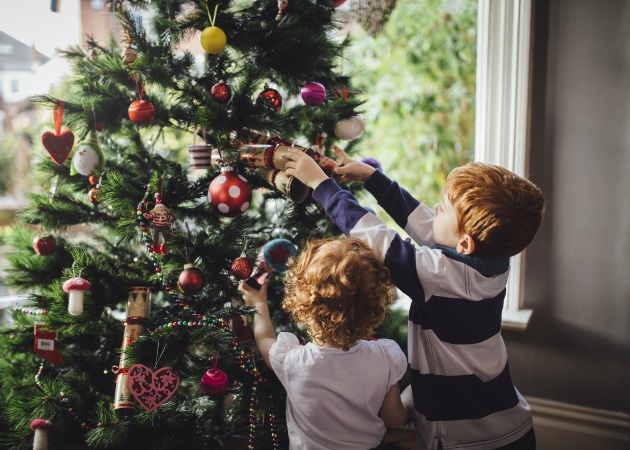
x=76, y=287
x=41, y=427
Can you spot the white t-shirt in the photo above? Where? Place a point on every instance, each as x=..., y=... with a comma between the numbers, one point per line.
x=334, y=396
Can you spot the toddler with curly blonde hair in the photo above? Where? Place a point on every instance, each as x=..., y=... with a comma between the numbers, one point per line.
x=342, y=390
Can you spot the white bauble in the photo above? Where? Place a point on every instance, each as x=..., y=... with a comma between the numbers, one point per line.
x=350, y=128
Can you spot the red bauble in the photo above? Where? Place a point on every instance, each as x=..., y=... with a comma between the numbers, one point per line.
x=93, y=195
x=141, y=112
x=270, y=98
x=242, y=267
x=214, y=382
x=313, y=93
x=230, y=193
x=44, y=246
x=191, y=280
x=221, y=92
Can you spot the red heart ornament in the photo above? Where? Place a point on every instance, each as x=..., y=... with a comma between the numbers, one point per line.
x=152, y=389
x=58, y=146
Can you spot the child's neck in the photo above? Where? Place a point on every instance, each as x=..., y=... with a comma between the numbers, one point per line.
x=330, y=344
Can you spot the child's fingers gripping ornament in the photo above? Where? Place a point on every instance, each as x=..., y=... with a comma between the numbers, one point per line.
x=213, y=39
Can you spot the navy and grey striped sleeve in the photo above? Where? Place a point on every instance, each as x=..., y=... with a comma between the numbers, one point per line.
x=415, y=271
x=408, y=213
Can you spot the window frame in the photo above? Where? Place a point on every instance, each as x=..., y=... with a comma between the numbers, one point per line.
x=504, y=31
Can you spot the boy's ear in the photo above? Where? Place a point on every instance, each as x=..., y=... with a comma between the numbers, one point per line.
x=465, y=245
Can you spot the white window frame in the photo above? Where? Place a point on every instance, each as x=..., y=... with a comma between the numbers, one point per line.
x=502, y=111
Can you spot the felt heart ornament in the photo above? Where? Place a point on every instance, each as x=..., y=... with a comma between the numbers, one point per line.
x=152, y=389
x=58, y=146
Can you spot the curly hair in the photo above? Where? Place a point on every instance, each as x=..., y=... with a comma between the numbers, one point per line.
x=339, y=288
x=500, y=210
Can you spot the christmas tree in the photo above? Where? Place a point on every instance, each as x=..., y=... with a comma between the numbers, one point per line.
x=133, y=334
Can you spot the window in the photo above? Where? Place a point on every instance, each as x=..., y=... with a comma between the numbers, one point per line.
x=503, y=68
x=15, y=86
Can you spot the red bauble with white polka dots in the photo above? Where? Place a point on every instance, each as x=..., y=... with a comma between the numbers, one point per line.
x=230, y=193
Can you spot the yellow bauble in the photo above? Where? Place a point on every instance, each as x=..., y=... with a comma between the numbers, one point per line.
x=213, y=40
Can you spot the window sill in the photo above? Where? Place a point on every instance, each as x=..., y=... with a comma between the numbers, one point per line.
x=516, y=320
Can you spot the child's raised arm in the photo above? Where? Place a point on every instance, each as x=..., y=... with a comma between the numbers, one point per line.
x=264, y=333
x=351, y=169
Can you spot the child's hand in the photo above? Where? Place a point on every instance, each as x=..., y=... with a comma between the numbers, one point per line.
x=351, y=169
x=304, y=168
x=253, y=296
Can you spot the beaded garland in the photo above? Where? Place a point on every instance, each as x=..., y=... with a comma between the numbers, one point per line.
x=64, y=400
x=199, y=320
x=245, y=363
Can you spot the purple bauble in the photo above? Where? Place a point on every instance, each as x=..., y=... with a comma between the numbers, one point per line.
x=373, y=163
x=313, y=93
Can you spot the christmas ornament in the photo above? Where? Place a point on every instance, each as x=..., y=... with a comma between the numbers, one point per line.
x=191, y=280
x=282, y=6
x=372, y=162
x=213, y=39
x=137, y=314
x=141, y=112
x=313, y=93
x=88, y=157
x=45, y=344
x=260, y=271
x=288, y=185
x=129, y=55
x=41, y=427
x=93, y=195
x=114, y=5
x=270, y=99
x=221, y=92
x=152, y=389
x=350, y=128
x=230, y=193
x=161, y=219
x=372, y=15
x=277, y=253
x=241, y=267
x=44, y=246
x=59, y=144
x=200, y=156
x=214, y=381
x=75, y=288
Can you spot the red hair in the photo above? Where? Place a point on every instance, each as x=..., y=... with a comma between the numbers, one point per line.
x=339, y=288
x=500, y=210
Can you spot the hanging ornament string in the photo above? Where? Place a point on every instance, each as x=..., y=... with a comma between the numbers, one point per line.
x=58, y=116
x=158, y=355
x=216, y=360
x=138, y=87
x=212, y=18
